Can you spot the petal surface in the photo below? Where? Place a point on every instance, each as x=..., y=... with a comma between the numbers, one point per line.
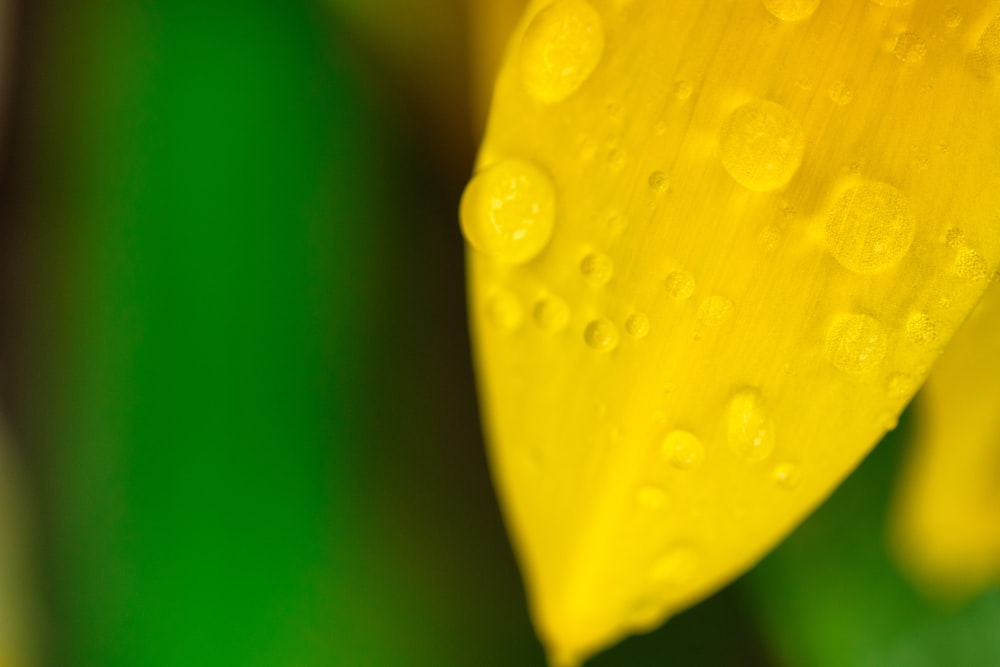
x=752, y=214
x=947, y=518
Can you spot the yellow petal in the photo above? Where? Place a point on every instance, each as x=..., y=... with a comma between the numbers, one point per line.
x=947, y=518
x=712, y=265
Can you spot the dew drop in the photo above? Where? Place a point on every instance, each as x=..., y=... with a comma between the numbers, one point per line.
x=504, y=311
x=869, y=227
x=986, y=59
x=508, y=211
x=920, y=329
x=955, y=237
x=561, y=48
x=910, y=48
x=750, y=428
x=952, y=18
x=683, y=90
x=683, y=450
x=601, y=335
x=761, y=146
x=637, y=325
x=650, y=497
x=900, y=385
x=680, y=285
x=787, y=475
x=715, y=310
x=856, y=343
x=972, y=266
x=840, y=93
x=791, y=10
x=658, y=182
x=677, y=566
x=597, y=268
x=616, y=159
x=551, y=314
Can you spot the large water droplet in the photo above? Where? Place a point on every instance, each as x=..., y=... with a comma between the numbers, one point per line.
x=508, y=211
x=683, y=450
x=597, y=268
x=761, y=146
x=791, y=10
x=869, y=227
x=560, y=49
x=749, y=426
x=856, y=343
x=601, y=335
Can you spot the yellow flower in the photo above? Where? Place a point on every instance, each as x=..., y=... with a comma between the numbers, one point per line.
x=715, y=249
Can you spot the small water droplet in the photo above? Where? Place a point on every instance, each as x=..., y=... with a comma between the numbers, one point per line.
x=551, y=314
x=840, y=93
x=715, y=310
x=676, y=566
x=637, y=325
x=791, y=10
x=683, y=90
x=504, y=311
x=616, y=159
x=683, y=450
x=952, y=18
x=616, y=223
x=601, y=335
x=888, y=420
x=787, y=475
x=920, y=329
x=560, y=49
x=856, y=343
x=508, y=211
x=597, y=268
x=680, y=285
x=651, y=497
x=910, y=48
x=869, y=227
x=749, y=426
x=658, y=182
x=954, y=237
x=972, y=266
x=761, y=146
x=900, y=385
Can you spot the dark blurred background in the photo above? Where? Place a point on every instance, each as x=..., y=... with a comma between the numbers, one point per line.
x=235, y=367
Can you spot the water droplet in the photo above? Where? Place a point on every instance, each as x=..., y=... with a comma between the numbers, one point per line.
x=658, y=182
x=680, y=285
x=683, y=450
x=637, y=325
x=900, y=385
x=856, y=343
x=551, y=314
x=560, y=49
x=952, y=18
x=920, y=329
x=616, y=223
x=840, y=93
x=651, y=497
x=683, y=90
x=504, y=311
x=508, y=211
x=910, y=48
x=677, y=566
x=971, y=265
x=985, y=61
x=601, y=335
x=715, y=310
x=616, y=159
x=750, y=427
x=888, y=420
x=761, y=146
x=954, y=237
x=787, y=475
x=870, y=227
x=791, y=10
x=597, y=268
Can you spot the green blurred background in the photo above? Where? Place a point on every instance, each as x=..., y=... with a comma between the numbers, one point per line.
x=236, y=370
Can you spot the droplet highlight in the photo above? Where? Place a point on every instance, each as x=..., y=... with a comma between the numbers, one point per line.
x=508, y=211
x=791, y=10
x=761, y=146
x=560, y=49
x=856, y=343
x=750, y=428
x=601, y=335
x=870, y=227
x=787, y=475
x=683, y=450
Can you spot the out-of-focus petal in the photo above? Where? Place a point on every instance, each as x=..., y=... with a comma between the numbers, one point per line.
x=17, y=613
x=947, y=515
x=713, y=254
x=491, y=23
